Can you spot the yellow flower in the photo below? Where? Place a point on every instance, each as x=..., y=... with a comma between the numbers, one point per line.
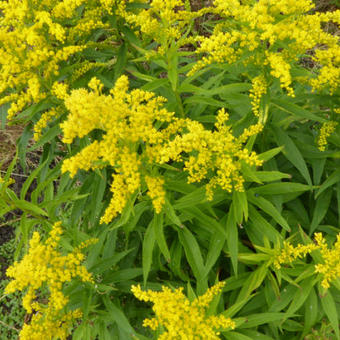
x=45, y=266
x=289, y=253
x=272, y=35
x=326, y=130
x=134, y=146
x=36, y=36
x=181, y=318
x=257, y=91
x=45, y=118
x=281, y=69
x=59, y=90
x=164, y=21
x=330, y=268
x=156, y=192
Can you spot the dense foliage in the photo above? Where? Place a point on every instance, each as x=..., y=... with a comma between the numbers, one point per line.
x=189, y=157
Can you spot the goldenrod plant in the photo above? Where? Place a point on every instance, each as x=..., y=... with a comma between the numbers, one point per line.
x=186, y=182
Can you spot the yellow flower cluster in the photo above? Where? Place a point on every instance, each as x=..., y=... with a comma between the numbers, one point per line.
x=156, y=192
x=216, y=151
x=330, y=266
x=91, y=20
x=59, y=90
x=280, y=69
x=8, y=182
x=35, y=37
x=49, y=326
x=288, y=254
x=273, y=35
x=182, y=318
x=83, y=68
x=141, y=135
x=44, y=266
x=42, y=123
x=164, y=21
x=258, y=89
x=326, y=130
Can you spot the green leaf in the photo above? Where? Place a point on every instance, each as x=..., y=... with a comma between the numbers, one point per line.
x=332, y=179
x=30, y=208
x=249, y=173
x=52, y=175
x=286, y=296
x=263, y=227
x=3, y=114
x=66, y=196
x=268, y=208
x=176, y=252
x=82, y=332
x=329, y=307
x=99, y=186
x=192, y=252
x=216, y=244
x=266, y=156
x=232, y=238
x=338, y=200
x=292, y=153
x=171, y=214
x=22, y=143
x=253, y=281
x=148, y=245
x=203, y=100
x=301, y=295
x=107, y=82
x=318, y=166
x=236, y=336
x=256, y=335
x=138, y=210
x=173, y=69
x=159, y=232
x=311, y=311
x=117, y=315
x=10, y=168
x=240, y=206
x=257, y=319
x=205, y=220
x=121, y=61
x=296, y=110
x=280, y=188
x=191, y=199
x=140, y=75
x=35, y=108
x=154, y=84
x=232, y=310
x=179, y=186
x=321, y=208
x=122, y=275
x=96, y=250
x=51, y=133
x=230, y=89
x=271, y=176
x=103, y=265
x=130, y=36
x=190, y=292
